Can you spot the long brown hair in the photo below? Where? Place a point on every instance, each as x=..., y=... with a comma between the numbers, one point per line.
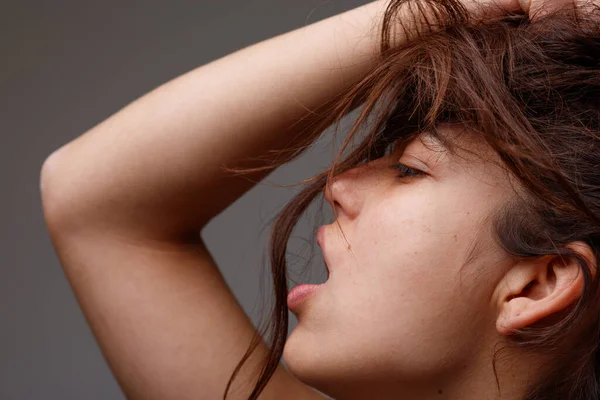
x=531, y=91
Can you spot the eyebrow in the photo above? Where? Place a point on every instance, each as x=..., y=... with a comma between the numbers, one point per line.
x=433, y=141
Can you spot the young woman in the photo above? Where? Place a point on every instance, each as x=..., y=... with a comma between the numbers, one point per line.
x=462, y=261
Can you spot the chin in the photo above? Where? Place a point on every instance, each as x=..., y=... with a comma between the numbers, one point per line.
x=309, y=363
x=302, y=359
x=295, y=355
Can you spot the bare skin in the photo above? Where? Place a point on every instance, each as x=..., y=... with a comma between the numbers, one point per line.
x=122, y=200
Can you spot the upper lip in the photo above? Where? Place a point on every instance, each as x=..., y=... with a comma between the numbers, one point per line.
x=320, y=242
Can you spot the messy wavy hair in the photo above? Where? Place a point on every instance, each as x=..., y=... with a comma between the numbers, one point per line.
x=531, y=91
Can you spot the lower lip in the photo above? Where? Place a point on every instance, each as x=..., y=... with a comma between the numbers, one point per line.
x=299, y=293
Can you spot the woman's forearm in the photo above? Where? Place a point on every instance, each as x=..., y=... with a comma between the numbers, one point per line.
x=154, y=167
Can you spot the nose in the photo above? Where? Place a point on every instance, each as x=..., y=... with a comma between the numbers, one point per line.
x=341, y=193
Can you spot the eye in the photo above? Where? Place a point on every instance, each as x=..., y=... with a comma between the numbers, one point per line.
x=405, y=171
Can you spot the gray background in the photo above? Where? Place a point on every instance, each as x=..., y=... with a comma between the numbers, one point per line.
x=68, y=65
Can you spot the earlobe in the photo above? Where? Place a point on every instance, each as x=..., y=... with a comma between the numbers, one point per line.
x=535, y=289
x=514, y=315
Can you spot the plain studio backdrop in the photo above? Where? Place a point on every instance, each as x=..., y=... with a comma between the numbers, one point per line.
x=68, y=65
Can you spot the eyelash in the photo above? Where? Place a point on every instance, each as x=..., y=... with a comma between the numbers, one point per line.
x=406, y=171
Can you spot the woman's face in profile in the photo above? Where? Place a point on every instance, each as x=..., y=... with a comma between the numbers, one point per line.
x=397, y=309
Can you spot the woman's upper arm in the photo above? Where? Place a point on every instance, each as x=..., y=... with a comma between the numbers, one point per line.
x=166, y=321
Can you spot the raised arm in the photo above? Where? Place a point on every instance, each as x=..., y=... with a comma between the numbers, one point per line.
x=154, y=168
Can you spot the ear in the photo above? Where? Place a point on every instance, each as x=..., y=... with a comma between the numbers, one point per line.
x=534, y=289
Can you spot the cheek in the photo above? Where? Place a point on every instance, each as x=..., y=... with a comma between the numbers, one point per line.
x=396, y=302
x=414, y=254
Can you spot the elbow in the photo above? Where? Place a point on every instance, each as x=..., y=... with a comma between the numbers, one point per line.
x=54, y=193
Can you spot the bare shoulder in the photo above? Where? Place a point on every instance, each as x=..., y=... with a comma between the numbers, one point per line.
x=165, y=319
